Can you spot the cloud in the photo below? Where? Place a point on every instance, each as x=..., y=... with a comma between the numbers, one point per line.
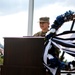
x=69, y=3
x=14, y=25
x=52, y=11
x=48, y=8
x=12, y=6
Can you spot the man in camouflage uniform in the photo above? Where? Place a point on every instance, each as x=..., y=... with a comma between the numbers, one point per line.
x=44, y=25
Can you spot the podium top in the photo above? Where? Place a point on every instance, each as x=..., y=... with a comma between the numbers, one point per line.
x=25, y=37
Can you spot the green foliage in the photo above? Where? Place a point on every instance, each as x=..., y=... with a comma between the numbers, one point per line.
x=1, y=59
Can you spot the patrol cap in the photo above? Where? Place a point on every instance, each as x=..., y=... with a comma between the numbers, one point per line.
x=44, y=19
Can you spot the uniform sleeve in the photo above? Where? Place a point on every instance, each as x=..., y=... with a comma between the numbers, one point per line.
x=37, y=34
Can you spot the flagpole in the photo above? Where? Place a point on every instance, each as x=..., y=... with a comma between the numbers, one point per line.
x=30, y=17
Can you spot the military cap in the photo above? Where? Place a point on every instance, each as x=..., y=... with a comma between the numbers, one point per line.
x=44, y=19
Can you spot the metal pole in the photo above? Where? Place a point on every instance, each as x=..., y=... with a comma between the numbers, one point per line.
x=30, y=17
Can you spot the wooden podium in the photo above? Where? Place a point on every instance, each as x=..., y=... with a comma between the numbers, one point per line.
x=23, y=56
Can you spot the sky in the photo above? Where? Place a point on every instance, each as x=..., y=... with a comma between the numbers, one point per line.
x=14, y=15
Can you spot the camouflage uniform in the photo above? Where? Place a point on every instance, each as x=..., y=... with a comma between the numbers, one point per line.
x=42, y=20
x=40, y=34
